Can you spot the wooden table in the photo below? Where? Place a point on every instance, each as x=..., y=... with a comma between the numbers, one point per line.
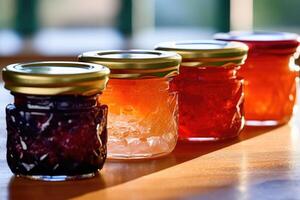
x=264, y=163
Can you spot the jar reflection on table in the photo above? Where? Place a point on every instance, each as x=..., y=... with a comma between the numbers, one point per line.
x=142, y=119
x=270, y=76
x=210, y=91
x=53, y=118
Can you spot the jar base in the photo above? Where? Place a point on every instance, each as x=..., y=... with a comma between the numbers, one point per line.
x=140, y=156
x=265, y=122
x=59, y=177
x=204, y=139
x=140, y=148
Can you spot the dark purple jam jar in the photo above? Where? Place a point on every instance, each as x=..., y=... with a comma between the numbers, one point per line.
x=56, y=127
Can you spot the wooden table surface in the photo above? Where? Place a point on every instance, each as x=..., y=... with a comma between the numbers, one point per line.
x=264, y=163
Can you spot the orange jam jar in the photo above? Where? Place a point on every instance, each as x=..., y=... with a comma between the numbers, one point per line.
x=142, y=119
x=270, y=76
x=210, y=91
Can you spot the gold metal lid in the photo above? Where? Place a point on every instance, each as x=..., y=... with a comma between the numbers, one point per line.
x=135, y=63
x=207, y=52
x=55, y=78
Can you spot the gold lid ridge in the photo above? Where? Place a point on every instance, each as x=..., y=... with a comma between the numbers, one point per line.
x=55, y=78
x=135, y=64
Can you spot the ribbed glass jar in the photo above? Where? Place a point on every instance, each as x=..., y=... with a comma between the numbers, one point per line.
x=270, y=76
x=56, y=128
x=210, y=91
x=142, y=119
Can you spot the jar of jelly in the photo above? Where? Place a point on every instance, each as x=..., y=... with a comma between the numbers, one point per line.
x=56, y=127
x=270, y=76
x=210, y=91
x=142, y=119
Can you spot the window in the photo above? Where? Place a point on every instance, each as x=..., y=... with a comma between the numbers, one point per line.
x=68, y=27
x=277, y=15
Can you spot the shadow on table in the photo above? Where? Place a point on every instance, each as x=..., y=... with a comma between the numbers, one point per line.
x=118, y=172
x=22, y=188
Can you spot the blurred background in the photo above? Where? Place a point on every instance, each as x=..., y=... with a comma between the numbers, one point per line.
x=62, y=29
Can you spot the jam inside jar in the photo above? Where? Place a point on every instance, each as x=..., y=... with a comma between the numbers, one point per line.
x=270, y=76
x=46, y=135
x=55, y=137
x=210, y=92
x=142, y=121
x=210, y=103
x=143, y=117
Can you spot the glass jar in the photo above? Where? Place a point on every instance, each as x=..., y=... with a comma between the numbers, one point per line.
x=270, y=76
x=56, y=127
x=210, y=91
x=142, y=121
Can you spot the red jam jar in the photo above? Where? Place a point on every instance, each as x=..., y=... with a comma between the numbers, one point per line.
x=143, y=110
x=56, y=127
x=210, y=91
x=270, y=76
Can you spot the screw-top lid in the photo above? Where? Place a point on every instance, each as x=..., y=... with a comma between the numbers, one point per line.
x=277, y=42
x=55, y=78
x=207, y=52
x=135, y=63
